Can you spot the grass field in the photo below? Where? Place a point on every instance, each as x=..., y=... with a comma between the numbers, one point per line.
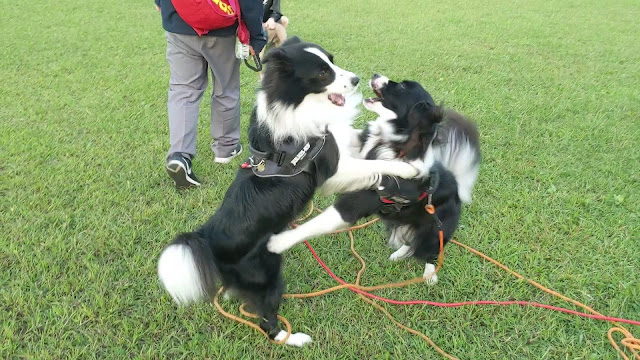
x=87, y=206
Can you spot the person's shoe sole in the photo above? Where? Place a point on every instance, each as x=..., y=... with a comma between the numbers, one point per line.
x=178, y=173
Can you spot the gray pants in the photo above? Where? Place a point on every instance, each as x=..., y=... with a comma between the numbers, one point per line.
x=189, y=57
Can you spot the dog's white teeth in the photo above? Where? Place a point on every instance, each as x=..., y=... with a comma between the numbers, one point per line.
x=380, y=188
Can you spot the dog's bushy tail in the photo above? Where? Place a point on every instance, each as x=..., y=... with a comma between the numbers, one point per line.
x=460, y=151
x=187, y=270
x=284, y=21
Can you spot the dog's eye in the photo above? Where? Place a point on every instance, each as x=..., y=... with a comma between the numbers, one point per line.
x=401, y=86
x=323, y=72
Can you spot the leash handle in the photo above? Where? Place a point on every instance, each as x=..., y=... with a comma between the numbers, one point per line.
x=256, y=61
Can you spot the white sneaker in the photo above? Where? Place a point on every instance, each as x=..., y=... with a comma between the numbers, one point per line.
x=226, y=160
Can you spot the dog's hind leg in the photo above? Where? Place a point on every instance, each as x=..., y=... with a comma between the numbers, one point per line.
x=267, y=304
x=402, y=253
x=400, y=236
x=429, y=275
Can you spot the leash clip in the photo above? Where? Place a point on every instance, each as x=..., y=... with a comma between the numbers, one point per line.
x=250, y=163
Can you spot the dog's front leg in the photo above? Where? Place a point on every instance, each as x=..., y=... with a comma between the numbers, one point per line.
x=358, y=174
x=348, y=209
x=328, y=221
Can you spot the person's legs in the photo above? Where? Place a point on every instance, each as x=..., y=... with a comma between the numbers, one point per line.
x=187, y=84
x=225, y=99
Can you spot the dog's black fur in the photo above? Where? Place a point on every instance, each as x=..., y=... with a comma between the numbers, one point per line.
x=231, y=247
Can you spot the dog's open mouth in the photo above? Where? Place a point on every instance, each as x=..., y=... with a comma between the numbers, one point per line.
x=378, y=93
x=337, y=99
x=375, y=99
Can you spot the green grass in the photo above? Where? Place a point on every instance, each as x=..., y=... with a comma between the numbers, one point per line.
x=87, y=206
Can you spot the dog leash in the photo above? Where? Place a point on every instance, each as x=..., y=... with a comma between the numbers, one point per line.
x=629, y=342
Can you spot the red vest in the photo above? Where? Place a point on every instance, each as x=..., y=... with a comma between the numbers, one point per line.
x=206, y=15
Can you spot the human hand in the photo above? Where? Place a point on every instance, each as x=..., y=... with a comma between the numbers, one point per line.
x=157, y=8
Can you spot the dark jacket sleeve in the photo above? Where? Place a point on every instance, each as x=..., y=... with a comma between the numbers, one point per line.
x=252, y=11
x=273, y=10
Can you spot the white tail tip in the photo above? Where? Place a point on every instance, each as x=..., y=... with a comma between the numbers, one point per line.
x=179, y=274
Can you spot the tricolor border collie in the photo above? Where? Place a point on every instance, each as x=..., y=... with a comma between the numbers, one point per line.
x=411, y=126
x=300, y=137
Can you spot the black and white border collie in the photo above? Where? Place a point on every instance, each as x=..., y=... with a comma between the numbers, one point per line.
x=304, y=95
x=411, y=126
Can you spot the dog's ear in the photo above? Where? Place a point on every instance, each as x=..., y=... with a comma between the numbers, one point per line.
x=330, y=56
x=420, y=109
x=418, y=113
x=277, y=54
x=291, y=41
x=424, y=114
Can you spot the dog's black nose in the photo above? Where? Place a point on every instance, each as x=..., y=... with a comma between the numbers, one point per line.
x=375, y=76
x=355, y=80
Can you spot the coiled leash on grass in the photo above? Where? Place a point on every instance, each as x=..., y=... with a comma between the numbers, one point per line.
x=629, y=342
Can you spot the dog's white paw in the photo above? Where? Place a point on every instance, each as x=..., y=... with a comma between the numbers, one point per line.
x=297, y=339
x=430, y=277
x=279, y=243
x=405, y=170
x=419, y=166
x=403, y=252
x=228, y=295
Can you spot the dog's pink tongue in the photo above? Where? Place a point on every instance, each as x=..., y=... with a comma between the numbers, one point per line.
x=337, y=99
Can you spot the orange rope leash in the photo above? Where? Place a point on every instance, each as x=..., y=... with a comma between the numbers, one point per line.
x=356, y=285
x=630, y=342
x=384, y=311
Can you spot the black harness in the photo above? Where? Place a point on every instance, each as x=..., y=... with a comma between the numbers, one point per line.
x=394, y=202
x=289, y=158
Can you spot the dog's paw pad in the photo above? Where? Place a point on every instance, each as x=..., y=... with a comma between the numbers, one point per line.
x=430, y=277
